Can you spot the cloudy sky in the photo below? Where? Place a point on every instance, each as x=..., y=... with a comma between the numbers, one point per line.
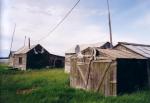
x=88, y=23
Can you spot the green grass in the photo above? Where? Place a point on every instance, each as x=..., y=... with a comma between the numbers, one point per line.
x=52, y=86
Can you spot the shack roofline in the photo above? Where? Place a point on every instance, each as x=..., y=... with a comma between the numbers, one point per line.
x=118, y=54
x=24, y=50
x=85, y=46
x=115, y=54
x=133, y=44
x=32, y=47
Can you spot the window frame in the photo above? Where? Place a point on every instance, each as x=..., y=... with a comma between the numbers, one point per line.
x=20, y=61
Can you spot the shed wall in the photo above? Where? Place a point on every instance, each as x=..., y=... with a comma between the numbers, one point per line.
x=16, y=63
x=68, y=63
x=99, y=77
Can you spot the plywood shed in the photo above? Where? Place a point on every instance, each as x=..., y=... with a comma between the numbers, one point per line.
x=34, y=57
x=110, y=72
x=79, y=48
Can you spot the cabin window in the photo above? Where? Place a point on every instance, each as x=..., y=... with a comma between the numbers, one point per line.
x=20, y=60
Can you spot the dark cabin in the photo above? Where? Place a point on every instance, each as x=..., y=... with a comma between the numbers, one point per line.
x=139, y=49
x=35, y=57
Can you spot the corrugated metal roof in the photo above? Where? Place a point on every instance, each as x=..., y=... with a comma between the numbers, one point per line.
x=84, y=46
x=141, y=49
x=24, y=50
x=114, y=54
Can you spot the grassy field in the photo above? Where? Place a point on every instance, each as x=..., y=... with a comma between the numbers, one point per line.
x=52, y=86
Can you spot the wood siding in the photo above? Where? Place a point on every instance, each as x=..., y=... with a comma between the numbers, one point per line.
x=99, y=77
x=16, y=63
x=67, y=63
x=100, y=73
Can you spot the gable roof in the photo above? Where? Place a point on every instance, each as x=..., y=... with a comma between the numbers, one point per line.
x=25, y=49
x=114, y=54
x=84, y=46
x=140, y=49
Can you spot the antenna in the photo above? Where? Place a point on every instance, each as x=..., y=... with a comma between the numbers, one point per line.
x=109, y=19
x=12, y=37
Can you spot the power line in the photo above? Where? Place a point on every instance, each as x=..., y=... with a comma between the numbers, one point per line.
x=12, y=37
x=57, y=25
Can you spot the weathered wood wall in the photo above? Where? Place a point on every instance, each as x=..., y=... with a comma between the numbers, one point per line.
x=110, y=77
x=99, y=77
x=16, y=61
x=68, y=63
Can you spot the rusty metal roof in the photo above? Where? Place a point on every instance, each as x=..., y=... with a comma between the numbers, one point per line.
x=114, y=54
x=141, y=49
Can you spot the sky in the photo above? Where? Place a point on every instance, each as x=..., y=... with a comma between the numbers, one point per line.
x=87, y=23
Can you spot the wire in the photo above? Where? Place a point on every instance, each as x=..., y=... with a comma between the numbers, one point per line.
x=61, y=21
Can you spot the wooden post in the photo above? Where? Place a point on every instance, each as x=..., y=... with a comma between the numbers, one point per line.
x=109, y=19
x=29, y=42
x=148, y=71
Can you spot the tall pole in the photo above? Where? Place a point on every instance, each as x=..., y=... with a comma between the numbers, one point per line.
x=12, y=37
x=29, y=42
x=109, y=19
x=24, y=41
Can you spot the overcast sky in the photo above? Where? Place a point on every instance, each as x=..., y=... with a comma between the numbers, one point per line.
x=88, y=23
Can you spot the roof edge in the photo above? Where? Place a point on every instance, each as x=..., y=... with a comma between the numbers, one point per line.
x=135, y=44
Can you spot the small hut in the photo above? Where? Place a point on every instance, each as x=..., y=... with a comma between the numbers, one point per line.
x=34, y=57
x=79, y=48
x=139, y=49
x=108, y=71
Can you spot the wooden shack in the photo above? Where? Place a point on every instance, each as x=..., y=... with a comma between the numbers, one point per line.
x=139, y=49
x=108, y=71
x=79, y=48
x=34, y=57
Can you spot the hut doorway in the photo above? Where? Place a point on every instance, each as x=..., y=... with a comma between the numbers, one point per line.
x=131, y=75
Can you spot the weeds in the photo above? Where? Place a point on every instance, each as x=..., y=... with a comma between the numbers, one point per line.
x=52, y=86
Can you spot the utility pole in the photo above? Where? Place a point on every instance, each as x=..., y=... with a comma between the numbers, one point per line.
x=109, y=20
x=12, y=37
x=24, y=41
x=29, y=42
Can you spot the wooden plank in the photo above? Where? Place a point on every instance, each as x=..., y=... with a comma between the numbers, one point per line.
x=103, y=61
x=103, y=77
x=88, y=72
x=82, y=75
